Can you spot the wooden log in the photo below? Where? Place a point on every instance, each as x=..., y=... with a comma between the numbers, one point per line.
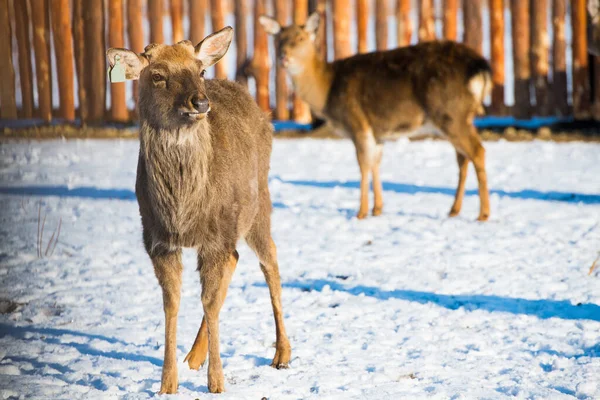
x=261, y=63
x=473, y=24
x=282, y=111
x=135, y=33
x=241, y=39
x=197, y=10
x=426, y=21
x=42, y=59
x=581, y=84
x=342, y=16
x=540, y=53
x=63, y=47
x=46, y=6
x=118, y=107
x=95, y=61
x=362, y=22
x=497, y=59
x=217, y=16
x=24, y=46
x=404, y=24
x=522, y=70
x=381, y=26
x=177, y=20
x=8, y=104
x=451, y=18
x=559, y=57
x=301, y=111
x=155, y=16
x=79, y=50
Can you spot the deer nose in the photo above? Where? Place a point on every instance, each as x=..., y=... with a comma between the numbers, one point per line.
x=200, y=104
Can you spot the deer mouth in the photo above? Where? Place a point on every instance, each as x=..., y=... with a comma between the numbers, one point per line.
x=194, y=115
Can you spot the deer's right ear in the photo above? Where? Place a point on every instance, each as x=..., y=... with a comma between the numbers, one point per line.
x=312, y=23
x=271, y=26
x=133, y=62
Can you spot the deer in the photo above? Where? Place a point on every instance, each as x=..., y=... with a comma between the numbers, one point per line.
x=202, y=183
x=376, y=97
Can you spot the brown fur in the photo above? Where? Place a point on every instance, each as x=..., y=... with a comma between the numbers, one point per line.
x=378, y=96
x=202, y=182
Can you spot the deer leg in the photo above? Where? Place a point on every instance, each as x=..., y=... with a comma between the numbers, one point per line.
x=479, y=163
x=463, y=164
x=168, y=268
x=377, y=186
x=365, y=154
x=215, y=278
x=197, y=355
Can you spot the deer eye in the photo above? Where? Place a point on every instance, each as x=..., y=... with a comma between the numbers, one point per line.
x=202, y=73
x=157, y=77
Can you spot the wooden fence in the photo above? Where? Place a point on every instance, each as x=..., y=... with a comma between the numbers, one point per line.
x=75, y=33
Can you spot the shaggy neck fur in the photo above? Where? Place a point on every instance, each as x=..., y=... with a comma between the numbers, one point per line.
x=313, y=81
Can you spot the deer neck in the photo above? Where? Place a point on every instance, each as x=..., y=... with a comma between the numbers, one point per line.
x=312, y=83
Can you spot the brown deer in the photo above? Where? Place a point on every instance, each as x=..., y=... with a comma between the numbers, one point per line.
x=202, y=182
x=375, y=97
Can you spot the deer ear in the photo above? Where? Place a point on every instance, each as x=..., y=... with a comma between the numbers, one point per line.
x=133, y=62
x=271, y=26
x=214, y=46
x=312, y=23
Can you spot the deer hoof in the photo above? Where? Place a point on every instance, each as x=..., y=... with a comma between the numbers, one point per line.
x=377, y=211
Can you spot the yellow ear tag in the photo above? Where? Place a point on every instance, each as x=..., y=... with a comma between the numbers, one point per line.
x=117, y=72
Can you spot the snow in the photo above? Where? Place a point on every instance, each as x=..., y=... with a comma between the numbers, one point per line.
x=410, y=304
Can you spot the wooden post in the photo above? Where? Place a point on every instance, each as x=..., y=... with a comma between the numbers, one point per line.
x=95, y=60
x=404, y=23
x=282, y=111
x=79, y=48
x=559, y=57
x=261, y=63
x=473, y=24
x=540, y=53
x=118, y=107
x=450, y=19
x=155, y=15
x=24, y=45
x=42, y=59
x=497, y=59
x=241, y=39
x=362, y=21
x=177, y=20
x=301, y=110
x=381, y=26
x=342, y=15
x=8, y=105
x=135, y=32
x=63, y=47
x=520, y=33
x=426, y=21
x=197, y=10
x=581, y=84
x=217, y=17
x=46, y=6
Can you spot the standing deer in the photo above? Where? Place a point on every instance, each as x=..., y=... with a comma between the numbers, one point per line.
x=201, y=183
x=379, y=96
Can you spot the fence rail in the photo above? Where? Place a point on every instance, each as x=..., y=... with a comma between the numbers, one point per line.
x=60, y=44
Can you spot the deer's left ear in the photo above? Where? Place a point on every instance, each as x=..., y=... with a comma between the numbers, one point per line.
x=270, y=25
x=134, y=63
x=214, y=46
x=312, y=23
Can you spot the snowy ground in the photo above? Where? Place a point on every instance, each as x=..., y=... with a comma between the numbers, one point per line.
x=407, y=305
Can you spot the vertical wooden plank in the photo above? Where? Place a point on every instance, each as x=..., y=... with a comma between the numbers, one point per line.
x=155, y=15
x=197, y=10
x=540, y=53
x=24, y=46
x=473, y=24
x=282, y=111
x=177, y=20
x=135, y=33
x=79, y=49
x=581, y=84
x=241, y=40
x=404, y=24
x=217, y=16
x=497, y=59
x=261, y=61
x=42, y=59
x=426, y=21
x=342, y=16
x=451, y=18
x=95, y=62
x=521, y=38
x=362, y=21
x=381, y=26
x=63, y=47
x=301, y=110
x=118, y=107
x=559, y=57
x=8, y=105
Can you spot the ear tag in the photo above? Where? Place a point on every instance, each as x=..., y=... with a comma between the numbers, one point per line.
x=117, y=72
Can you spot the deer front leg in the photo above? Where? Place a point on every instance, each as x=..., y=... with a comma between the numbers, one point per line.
x=197, y=355
x=365, y=154
x=463, y=164
x=168, y=268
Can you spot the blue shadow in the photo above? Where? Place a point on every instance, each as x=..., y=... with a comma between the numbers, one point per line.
x=544, y=309
x=63, y=191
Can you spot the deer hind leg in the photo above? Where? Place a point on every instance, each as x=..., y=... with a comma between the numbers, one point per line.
x=377, y=186
x=260, y=241
x=366, y=152
x=168, y=268
x=463, y=164
x=215, y=278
